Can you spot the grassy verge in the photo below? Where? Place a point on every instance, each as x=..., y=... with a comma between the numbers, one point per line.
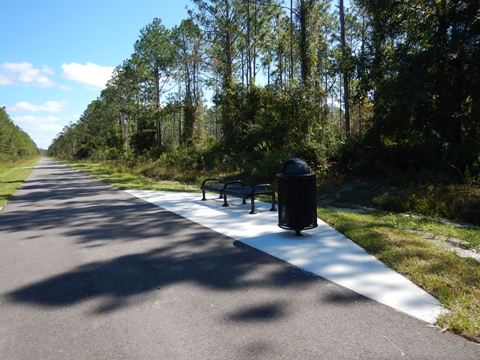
x=453, y=280
x=458, y=202
x=123, y=179
x=470, y=237
x=12, y=176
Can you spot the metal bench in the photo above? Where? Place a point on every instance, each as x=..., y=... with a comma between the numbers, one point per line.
x=238, y=189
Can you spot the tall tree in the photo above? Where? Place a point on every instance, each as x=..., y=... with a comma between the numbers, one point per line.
x=188, y=40
x=156, y=52
x=219, y=20
x=425, y=80
x=346, y=80
x=14, y=143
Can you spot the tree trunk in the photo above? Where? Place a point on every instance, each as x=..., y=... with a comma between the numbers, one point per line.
x=188, y=118
x=188, y=109
x=346, y=89
x=304, y=58
x=255, y=28
x=291, y=42
x=279, y=53
x=249, y=46
x=227, y=103
x=157, y=109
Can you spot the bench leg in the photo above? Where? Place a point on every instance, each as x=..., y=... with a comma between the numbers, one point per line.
x=221, y=195
x=273, y=208
x=252, y=211
x=225, y=202
x=203, y=198
x=244, y=201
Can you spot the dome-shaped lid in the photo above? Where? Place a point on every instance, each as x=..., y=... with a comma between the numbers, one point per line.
x=295, y=166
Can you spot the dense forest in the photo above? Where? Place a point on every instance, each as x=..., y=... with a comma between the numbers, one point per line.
x=382, y=88
x=15, y=144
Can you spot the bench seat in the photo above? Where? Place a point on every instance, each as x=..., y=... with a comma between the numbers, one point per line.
x=238, y=189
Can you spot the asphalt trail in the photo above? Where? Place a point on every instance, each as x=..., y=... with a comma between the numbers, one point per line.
x=89, y=272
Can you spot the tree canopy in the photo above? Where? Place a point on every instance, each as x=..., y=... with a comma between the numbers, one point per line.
x=379, y=87
x=15, y=144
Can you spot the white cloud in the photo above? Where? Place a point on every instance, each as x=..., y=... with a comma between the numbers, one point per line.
x=25, y=73
x=42, y=129
x=49, y=106
x=36, y=120
x=88, y=73
x=43, y=134
x=64, y=87
x=4, y=80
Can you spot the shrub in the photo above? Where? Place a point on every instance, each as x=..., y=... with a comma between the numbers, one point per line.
x=458, y=202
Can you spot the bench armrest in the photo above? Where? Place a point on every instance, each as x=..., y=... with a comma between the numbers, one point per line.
x=233, y=182
x=262, y=186
x=211, y=179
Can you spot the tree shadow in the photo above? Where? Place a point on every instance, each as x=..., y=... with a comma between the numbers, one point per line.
x=342, y=298
x=92, y=215
x=203, y=259
x=261, y=312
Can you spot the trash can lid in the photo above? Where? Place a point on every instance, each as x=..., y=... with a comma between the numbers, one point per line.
x=295, y=166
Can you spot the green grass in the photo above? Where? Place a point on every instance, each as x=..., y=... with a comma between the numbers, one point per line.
x=469, y=236
x=123, y=179
x=455, y=281
x=12, y=176
x=458, y=202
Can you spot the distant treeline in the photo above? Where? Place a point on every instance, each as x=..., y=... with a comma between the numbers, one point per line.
x=15, y=144
x=381, y=88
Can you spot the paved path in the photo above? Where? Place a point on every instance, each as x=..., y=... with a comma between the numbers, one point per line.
x=322, y=251
x=88, y=272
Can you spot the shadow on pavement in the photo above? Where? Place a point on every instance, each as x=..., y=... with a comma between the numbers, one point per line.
x=203, y=260
x=93, y=215
x=140, y=251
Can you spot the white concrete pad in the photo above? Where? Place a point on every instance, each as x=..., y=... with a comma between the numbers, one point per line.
x=322, y=251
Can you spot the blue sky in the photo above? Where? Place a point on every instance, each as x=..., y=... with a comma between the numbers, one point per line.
x=56, y=55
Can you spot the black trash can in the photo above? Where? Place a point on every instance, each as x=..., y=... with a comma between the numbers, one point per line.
x=297, y=196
